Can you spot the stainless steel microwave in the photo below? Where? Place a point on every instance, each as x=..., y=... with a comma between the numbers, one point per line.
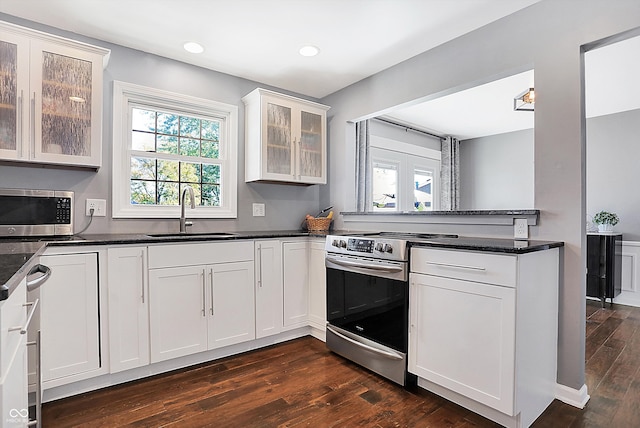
x=35, y=212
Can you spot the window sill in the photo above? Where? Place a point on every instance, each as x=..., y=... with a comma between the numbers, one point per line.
x=479, y=217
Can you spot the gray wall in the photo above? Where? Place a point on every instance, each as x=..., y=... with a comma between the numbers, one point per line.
x=286, y=205
x=496, y=172
x=613, y=176
x=548, y=37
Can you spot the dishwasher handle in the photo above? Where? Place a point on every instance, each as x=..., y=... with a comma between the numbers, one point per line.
x=35, y=283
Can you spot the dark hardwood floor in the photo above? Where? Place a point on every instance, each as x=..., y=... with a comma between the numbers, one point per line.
x=300, y=383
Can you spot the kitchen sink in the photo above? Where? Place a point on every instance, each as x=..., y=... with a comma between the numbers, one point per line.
x=204, y=234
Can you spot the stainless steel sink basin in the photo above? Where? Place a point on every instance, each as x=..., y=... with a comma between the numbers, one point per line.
x=194, y=234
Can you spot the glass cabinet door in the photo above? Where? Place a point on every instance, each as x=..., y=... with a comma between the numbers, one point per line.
x=66, y=105
x=311, y=144
x=8, y=96
x=279, y=147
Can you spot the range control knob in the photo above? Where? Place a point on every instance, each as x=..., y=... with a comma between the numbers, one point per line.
x=335, y=243
x=388, y=248
x=379, y=246
x=343, y=243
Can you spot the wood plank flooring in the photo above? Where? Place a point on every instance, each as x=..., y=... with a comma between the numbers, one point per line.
x=300, y=383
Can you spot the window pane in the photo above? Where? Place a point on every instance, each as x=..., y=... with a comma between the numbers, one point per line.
x=167, y=144
x=143, y=141
x=167, y=193
x=143, y=192
x=211, y=195
x=168, y=170
x=143, y=168
x=211, y=173
x=143, y=120
x=189, y=127
x=210, y=149
x=190, y=172
x=385, y=186
x=211, y=130
x=167, y=123
x=423, y=192
x=189, y=147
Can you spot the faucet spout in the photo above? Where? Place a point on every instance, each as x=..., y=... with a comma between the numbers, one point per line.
x=183, y=219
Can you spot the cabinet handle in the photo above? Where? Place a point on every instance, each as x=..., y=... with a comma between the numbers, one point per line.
x=33, y=126
x=456, y=266
x=299, y=159
x=211, y=280
x=20, y=124
x=260, y=265
x=23, y=330
x=142, y=273
x=204, y=298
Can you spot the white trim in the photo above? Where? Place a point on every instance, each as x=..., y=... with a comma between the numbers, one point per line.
x=573, y=397
x=126, y=94
x=406, y=148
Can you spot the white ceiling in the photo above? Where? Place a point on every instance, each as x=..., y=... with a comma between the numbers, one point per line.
x=259, y=39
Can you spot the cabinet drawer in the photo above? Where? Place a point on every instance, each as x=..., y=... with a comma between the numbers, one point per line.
x=199, y=254
x=497, y=269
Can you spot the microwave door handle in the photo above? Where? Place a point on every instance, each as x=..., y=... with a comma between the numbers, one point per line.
x=34, y=284
x=372, y=266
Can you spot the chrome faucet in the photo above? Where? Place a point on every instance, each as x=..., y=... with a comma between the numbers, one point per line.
x=183, y=221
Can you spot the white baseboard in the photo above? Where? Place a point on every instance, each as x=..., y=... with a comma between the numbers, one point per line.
x=573, y=397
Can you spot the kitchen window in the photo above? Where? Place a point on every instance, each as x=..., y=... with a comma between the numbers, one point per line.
x=164, y=142
x=405, y=177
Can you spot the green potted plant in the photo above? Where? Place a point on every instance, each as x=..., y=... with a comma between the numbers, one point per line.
x=605, y=221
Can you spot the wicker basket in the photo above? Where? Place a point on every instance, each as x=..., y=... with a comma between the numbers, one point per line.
x=318, y=224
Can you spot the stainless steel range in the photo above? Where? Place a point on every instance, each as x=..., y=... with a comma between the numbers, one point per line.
x=368, y=300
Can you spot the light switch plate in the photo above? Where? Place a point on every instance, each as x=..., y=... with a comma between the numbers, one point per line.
x=258, y=210
x=520, y=228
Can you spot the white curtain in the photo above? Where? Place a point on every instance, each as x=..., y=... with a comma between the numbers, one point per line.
x=450, y=174
x=363, y=168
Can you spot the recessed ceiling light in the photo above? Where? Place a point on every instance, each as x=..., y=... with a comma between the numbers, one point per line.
x=309, y=50
x=193, y=47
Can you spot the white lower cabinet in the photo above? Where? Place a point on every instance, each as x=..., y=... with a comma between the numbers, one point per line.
x=69, y=316
x=296, y=283
x=463, y=338
x=483, y=330
x=13, y=359
x=201, y=307
x=128, y=308
x=317, y=285
x=268, y=260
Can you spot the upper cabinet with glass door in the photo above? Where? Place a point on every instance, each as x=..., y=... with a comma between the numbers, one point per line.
x=286, y=139
x=50, y=98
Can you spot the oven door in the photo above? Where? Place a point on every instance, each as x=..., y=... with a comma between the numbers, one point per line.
x=369, y=298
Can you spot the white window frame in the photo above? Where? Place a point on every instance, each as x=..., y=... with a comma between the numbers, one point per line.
x=409, y=157
x=128, y=95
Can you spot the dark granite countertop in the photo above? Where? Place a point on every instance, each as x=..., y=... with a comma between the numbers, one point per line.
x=492, y=245
x=447, y=213
x=18, y=256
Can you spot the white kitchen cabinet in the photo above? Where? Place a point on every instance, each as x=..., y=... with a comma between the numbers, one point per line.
x=69, y=316
x=51, y=98
x=198, y=307
x=483, y=330
x=317, y=285
x=128, y=308
x=13, y=359
x=285, y=139
x=296, y=283
x=268, y=260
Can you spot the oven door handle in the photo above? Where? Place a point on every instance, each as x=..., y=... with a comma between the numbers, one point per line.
x=372, y=266
x=387, y=354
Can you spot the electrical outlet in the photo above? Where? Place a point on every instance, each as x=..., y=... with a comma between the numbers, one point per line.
x=520, y=228
x=258, y=210
x=99, y=207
